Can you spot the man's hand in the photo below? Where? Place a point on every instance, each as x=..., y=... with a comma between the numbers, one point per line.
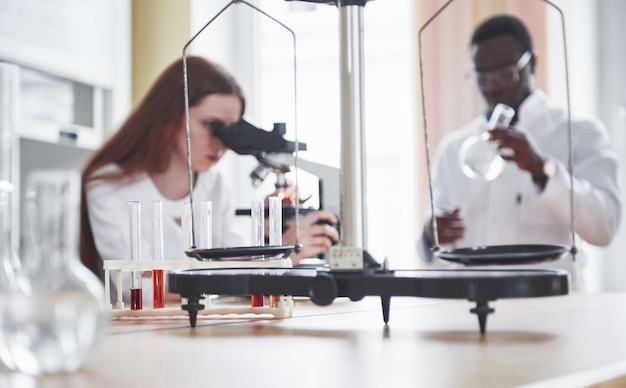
x=518, y=147
x=450, y=227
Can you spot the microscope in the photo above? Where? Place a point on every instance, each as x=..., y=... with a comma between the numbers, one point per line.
x=275, y=155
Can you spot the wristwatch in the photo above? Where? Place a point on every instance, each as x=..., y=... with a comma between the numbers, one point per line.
x=549, y=168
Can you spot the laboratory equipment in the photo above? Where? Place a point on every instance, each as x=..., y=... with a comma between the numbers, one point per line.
x=348, y=276
x=272, y=256
x=191, y=248
x=479, y=157
x=247, y=139
x=275, y=221
x=158, y=288
x=9, y=261
x=235, y=252
x=505, y=254
x=134, y=230
x=258, y=239
x=275, y=155
x=52, y=322
x=206, y=224
x=257, y=232
x=9, y=173
x=254, y=139
x=276, y=233
x=186, y=221
x=324, y=285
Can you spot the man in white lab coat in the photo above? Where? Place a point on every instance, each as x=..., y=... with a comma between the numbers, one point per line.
x=529, y=203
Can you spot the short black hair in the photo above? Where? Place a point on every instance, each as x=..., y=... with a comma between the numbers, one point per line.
x=503, y=25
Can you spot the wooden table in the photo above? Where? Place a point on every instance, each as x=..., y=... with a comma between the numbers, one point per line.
x=574, y=340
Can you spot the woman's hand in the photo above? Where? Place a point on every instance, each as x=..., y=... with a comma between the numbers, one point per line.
x=317, y=235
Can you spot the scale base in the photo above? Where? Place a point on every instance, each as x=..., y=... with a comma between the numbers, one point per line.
x=323, y=285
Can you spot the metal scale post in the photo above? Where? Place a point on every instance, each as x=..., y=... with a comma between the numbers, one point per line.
x=349, y=255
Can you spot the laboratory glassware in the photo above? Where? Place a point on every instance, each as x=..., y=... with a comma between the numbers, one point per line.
x=187, y=226
x=275, y=232
x=479, y=157
x=9, y=262
x=206, y=225
x=136, y=294
x=51, y=324
x=275, y=220
x=9, y=173
x=158, y=288
x=257, y=212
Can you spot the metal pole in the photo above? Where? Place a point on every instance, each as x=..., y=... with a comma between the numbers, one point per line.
x=353, y=200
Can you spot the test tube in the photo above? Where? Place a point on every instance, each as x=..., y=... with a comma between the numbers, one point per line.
x=158, y=289
x=276, y=221
x=258, y=223
x=258, y=238
x=206, y=229
x=134, y=208
x=206, y=225
x=186, y=220
x=276, y=234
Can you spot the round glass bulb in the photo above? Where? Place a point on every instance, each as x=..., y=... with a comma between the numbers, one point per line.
x=479, y=157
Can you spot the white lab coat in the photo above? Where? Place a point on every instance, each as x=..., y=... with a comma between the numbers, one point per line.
x=512, y=210
x=107, y=205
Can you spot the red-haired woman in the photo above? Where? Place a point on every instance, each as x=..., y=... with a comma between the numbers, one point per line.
x=146, y=160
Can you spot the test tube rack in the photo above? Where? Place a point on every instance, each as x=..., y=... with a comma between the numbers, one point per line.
x=284, y=308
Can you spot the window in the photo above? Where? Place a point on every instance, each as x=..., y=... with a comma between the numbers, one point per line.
x=389, y=106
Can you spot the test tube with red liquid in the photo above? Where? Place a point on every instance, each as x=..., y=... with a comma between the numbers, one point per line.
x=257, y=213
x=276, y=234
x=158, y=288
x=134, y=208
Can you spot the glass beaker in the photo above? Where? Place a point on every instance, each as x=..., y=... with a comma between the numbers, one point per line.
x=52, y=324
x=479, y=157
x=9, y=175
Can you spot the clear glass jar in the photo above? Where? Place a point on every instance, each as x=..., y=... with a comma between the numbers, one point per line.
x=52, y=324
x=479, y=157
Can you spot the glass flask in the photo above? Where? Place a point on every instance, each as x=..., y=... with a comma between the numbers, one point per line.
x=9, y=175
x=10, y=268
x=479, y=157
x=52, y=324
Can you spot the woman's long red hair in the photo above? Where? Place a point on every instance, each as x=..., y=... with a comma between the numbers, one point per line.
x=143, y=144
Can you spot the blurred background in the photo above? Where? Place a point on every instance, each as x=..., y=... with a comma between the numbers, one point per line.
x=85, y=63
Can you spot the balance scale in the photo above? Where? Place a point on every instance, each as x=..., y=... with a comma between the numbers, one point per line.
x=347, y=276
